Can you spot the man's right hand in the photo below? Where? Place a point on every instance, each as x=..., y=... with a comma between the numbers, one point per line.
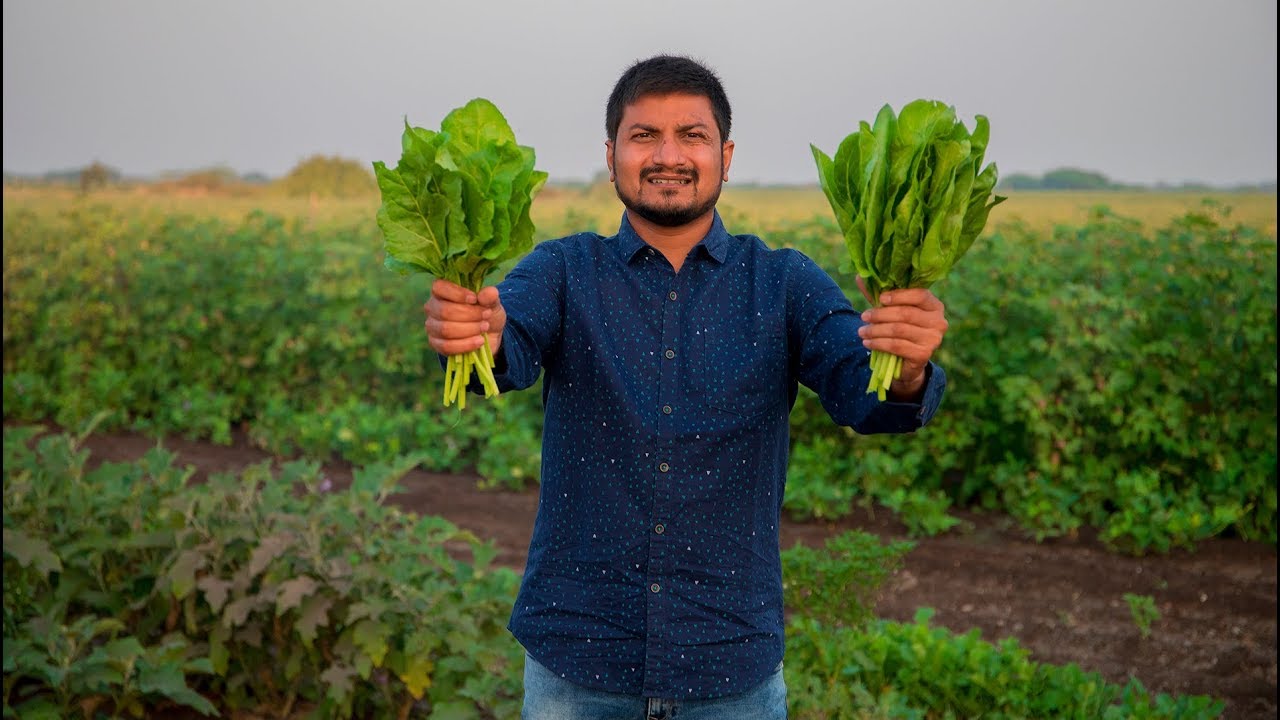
x=458, y=319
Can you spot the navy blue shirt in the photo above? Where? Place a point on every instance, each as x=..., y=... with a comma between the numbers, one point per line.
x=653, y=568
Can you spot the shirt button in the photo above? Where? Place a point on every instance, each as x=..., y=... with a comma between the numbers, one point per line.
x=659, y=528
x=666, y=409
x=655, y=588
x=669, y=354
x=663, y=467
x=671, y=295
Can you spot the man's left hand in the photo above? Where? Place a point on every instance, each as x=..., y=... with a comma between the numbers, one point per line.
x=910, y=324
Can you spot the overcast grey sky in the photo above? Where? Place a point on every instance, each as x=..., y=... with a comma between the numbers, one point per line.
x=1141, y=90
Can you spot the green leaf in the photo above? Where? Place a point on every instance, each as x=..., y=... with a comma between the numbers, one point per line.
x=219, y=653
x=270, y=548
x=215, y=591
x=182, y=574
x=95, y=675
x=32, y=552
x=238, y=611
x=104, y=626
x=412, y=240
x=910, y=188
x=371, y=637
x=313, y=614
x=168, y=680
x=457, y=204
x=292, y=592
x=477, y=125
x=39, y=709
x=124, y=651
x=455, y=710
x=417, y=675
x=337, y=679
x=11, y=649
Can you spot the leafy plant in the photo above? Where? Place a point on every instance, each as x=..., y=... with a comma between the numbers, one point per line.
x=457, y=206
x=263, y=591
x=910, y=195
x=914, y=670
x=1144, y=612
x=837, y=585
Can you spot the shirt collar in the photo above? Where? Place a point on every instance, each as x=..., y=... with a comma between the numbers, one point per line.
x=715, y=243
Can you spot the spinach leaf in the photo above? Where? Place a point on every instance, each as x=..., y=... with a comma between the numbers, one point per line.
x=457, y=206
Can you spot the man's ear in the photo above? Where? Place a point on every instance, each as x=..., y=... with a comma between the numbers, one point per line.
x=726, y=158
x=608, y=158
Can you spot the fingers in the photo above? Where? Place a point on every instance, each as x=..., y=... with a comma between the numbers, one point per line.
x=909, y=342
x=456, y=312
x=455, y=330
x=913, y=297
x=488, y=297
x=914, y=305
x=458, y=319
x=914, y=357
x=455, y=347
x=909, y=315
x=452, y=292
x=909, y=323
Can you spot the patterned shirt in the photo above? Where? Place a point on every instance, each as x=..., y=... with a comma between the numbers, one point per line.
x=654, y=566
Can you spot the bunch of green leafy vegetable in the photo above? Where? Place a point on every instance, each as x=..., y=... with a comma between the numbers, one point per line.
x=910, y=196
x=457, y=207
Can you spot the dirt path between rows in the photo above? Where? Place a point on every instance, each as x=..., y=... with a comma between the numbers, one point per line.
x=1062, y=599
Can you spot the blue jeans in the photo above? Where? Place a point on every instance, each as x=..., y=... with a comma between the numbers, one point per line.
x=547, y=696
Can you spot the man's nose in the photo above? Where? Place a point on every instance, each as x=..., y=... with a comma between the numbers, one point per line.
x=668, y=153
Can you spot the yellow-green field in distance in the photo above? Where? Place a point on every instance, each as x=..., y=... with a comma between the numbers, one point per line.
x=565, y=209
x=764, y=207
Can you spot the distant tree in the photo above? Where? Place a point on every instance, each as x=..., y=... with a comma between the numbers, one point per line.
x=210, y=179
x=323, y=176
x=1073, y=179
x=94, y=176
x=1020, y=181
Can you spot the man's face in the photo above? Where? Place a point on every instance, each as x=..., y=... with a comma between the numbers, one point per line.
x=667, y=162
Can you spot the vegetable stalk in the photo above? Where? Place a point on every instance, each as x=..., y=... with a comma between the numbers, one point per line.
x=457, y=375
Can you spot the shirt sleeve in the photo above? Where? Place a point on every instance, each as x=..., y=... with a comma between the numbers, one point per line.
x=533, y=296
x=831, y=360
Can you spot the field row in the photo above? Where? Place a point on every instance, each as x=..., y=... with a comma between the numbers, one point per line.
x=1107, y=374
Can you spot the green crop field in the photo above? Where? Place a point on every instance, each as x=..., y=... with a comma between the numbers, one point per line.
x=1111, y=365
x=1088, y=356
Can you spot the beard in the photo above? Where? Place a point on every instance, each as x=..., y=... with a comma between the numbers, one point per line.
x=667, y=212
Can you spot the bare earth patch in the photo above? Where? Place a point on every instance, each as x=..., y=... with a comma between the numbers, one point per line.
x=1062, y=599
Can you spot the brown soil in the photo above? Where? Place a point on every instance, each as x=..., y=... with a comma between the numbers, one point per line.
x=1062, y=599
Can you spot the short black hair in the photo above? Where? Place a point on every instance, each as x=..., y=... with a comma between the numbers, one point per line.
x=666, y=75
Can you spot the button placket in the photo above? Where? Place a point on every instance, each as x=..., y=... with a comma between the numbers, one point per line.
x=666, y=456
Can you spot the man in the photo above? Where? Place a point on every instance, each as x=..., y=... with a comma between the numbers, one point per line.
x=670, y=355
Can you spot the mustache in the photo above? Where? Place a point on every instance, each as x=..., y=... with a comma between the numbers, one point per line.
x=652, y=170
